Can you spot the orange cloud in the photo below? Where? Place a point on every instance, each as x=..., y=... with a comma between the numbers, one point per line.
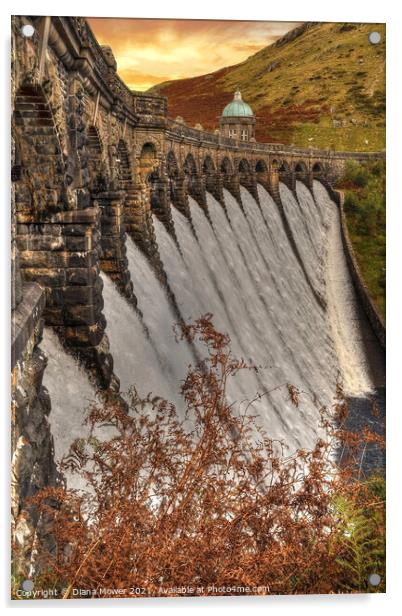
x=150, y=51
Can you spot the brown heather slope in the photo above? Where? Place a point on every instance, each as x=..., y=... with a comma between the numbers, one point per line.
x=322, y=84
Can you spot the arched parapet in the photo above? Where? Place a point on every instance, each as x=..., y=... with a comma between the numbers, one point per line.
x=247, y=177
x=301, y=173
x=286, y=175
x=212, y=178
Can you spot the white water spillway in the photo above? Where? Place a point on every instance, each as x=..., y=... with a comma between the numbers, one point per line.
x=275, y=280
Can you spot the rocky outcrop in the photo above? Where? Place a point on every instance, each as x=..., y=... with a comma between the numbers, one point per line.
x=32, y=465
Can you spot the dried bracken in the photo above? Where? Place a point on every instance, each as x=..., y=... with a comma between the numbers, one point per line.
x=215, y=509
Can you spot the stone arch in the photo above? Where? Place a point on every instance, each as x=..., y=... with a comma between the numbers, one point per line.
x=190, y=167
x=300, y=169
x=262, y=175
x=194, y=181
x=285, y=174
x=226, y=166
x=275, y=165
x=284, y=167
x=148, y=158
x=213, y=180
x=261, y=166
x=243, y=166
x=125, y=176
x=96, y=168
x=176, y=180
x=42, y=183
x=208, y=165
x=247, y=177
x=318, y=170
x=172, y=168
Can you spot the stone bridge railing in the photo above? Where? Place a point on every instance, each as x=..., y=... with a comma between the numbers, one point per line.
x=178, y=131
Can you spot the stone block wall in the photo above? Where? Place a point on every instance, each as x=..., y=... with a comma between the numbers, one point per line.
x=62, y=254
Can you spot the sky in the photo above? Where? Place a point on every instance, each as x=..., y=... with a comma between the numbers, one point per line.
x=150, y=51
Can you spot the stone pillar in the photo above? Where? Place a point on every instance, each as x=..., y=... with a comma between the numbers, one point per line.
x=214, y=185
x=273, y=185
x=232, y=184
x=249, y=181
x=289, y=179
x=305, y=178
x=113, y=257
x=179, y=197
x=160, y=204
x=196, y=189
x=179, y=194
x=62, y=254
x=139, y=223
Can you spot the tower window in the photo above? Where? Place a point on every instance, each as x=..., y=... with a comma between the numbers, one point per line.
x=232, y=132
x=244, y=134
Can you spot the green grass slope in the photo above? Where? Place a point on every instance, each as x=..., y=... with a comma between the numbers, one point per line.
x=364, y=188
x=322, y=84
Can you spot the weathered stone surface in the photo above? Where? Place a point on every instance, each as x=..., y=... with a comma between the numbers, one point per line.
x=32, y=463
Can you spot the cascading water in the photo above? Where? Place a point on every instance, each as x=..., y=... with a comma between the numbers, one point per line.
x=261, y=272
x=258, y=296
x=136, y=360
x=347, y=323
x=71, y=393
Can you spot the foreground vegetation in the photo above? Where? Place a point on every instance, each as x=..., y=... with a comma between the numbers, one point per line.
x=217, y=509
x=364, y=188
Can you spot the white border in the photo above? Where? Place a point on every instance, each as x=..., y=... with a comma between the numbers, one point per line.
x=302, y=10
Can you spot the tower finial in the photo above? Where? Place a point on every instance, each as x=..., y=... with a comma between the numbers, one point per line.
x=237, y=94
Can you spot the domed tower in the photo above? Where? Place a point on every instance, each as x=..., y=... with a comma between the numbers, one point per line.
x=238, y=120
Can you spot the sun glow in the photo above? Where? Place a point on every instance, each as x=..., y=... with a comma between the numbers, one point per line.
x=151, y=51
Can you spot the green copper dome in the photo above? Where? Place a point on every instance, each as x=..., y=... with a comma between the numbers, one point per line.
x=237, y=107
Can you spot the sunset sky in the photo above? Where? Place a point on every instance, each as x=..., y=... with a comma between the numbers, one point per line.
x=149, y=51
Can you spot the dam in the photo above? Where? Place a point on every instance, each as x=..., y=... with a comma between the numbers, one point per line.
x=126, y=222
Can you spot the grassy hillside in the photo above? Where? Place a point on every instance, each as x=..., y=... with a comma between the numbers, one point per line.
x=364, y=188
x=321, y=85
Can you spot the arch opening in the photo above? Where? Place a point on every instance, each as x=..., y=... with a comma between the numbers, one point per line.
x=39, y=170
x=261, y=166
x=244, y=166
x=148, y=159
x=318, y=170
x=208, y=165
x=300, y=169
x=125, y=177
x=97, y=175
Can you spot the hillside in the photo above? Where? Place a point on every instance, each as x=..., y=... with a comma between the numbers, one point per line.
x=322, y=84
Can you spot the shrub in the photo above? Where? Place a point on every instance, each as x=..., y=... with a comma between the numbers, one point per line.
x=219, y=504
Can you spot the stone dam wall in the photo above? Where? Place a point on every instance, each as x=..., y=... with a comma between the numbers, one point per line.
x=93, y=162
